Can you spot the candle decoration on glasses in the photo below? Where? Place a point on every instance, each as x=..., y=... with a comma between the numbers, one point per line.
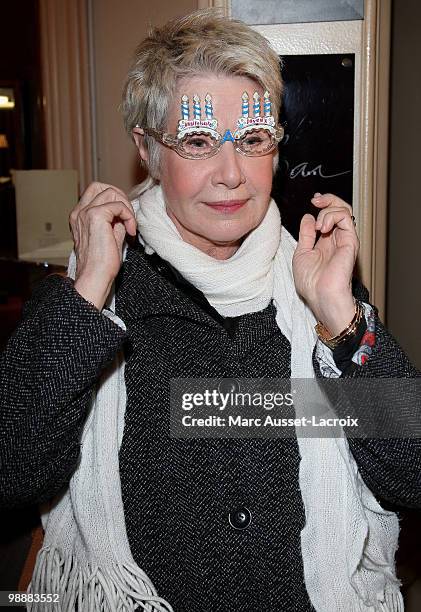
x=265, y=122
x=245, y=105
x=199, y=124
x=208, y=106
x=256, y=104
x=266, y=104
x=196, y=107
x=206, y=123
x=185, y=107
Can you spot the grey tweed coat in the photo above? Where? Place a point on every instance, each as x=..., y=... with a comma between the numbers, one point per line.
x=179, y=496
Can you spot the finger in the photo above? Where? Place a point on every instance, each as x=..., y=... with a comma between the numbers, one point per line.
x=111, y=194
x=97, y=194
x=339, y=218
x=329, y=199
x=100, y=193
x=90, y=193
x=111, y=212
x=327, y=211
x=121, y=196
x=307, y=234
x=95, y=189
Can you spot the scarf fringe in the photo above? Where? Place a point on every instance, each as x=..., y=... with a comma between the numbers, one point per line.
x=392, y=602
x=123, y=588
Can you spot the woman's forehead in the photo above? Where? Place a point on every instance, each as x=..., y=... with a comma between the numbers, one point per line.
x=223, y=86
x=225, y=94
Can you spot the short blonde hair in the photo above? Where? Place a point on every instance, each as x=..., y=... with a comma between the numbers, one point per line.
x=200, y=42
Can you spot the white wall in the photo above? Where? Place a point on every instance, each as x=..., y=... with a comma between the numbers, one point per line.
x=118, y=27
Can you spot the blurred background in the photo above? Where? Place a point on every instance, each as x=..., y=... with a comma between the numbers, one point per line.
x=62, y=67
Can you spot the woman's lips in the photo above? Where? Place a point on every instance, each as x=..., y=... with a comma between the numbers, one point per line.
x=226, y=206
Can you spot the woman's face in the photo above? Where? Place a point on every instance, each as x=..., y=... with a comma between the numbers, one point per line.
x=215, y=202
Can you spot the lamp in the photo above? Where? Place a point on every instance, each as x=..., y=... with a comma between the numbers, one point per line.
x=3, y=142
x=6, y=102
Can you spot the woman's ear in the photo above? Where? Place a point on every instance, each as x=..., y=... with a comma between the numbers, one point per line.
x=139, y=138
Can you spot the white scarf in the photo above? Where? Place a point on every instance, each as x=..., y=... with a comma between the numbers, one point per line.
x=348, y=542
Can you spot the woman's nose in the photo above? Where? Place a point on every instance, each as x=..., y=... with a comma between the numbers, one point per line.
x=228, y=167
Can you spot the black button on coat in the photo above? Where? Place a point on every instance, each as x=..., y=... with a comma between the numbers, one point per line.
x=240, y=518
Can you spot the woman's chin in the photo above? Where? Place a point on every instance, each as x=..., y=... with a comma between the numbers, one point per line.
x=226, y=237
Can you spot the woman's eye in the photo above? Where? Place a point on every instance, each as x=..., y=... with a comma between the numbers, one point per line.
x=198, y=143
x=253, y=140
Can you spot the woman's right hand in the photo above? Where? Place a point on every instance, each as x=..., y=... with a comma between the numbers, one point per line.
x=99, y=224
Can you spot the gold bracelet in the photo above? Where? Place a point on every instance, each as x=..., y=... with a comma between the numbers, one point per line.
x=350, y=331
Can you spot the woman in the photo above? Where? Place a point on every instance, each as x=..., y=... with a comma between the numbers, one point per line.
x=211, y=287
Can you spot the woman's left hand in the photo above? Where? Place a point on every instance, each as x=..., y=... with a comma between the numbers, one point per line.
x=323, y=269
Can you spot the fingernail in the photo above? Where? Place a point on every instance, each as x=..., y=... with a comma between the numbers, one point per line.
x=317, y=194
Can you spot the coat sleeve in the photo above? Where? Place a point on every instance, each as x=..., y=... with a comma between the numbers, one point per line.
x=48, y=373
x=391, y=467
